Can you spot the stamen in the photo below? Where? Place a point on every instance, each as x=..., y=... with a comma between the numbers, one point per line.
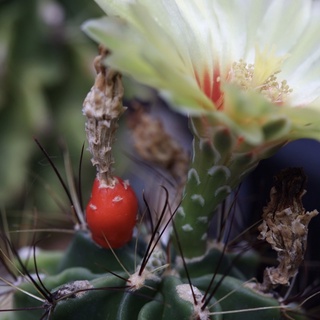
x=262, y=78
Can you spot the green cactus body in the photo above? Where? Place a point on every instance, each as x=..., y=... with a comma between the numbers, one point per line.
x=238, y=301
x=215, y=171
x=187, y=278
x=86, y=291
x=221, y=159
x=83, y=251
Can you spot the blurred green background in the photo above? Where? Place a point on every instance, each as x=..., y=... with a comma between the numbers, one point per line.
x=45, y=73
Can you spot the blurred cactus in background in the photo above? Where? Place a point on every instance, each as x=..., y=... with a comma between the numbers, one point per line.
x=244, y=86
x=45, y=72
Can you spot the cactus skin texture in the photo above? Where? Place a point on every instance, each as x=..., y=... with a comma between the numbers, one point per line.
x=221, y=160
x=107, y=296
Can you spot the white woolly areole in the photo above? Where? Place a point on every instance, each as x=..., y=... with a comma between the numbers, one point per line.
x=214, y=169
x=223, y=189
x=137, y=281
x=203, y=219
x=181, y=212
x=198, y=198
x=185, y=293
x=192, y=173
x=204, y=237
x=187, y=227
x=75, y=289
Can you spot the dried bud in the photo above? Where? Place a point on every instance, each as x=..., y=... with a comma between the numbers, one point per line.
x=156, y=146
x=102, y=108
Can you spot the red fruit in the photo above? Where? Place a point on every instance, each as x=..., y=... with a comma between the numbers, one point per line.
x=111, y=214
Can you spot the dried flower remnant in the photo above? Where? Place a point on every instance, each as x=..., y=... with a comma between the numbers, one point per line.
x=156, y=146
x=285, y=227
x=102, y=108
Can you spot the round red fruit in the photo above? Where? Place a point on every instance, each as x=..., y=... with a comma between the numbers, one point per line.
x=111, y=213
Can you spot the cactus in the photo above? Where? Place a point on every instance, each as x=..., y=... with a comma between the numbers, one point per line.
x=171, y=266
x=143, y=280
x=149, y=278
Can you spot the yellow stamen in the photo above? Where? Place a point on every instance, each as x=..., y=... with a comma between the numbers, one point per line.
x=261, y=76
x=266, y=64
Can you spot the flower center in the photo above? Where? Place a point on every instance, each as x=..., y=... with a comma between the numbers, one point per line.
x=260, y=76
x=211, y=86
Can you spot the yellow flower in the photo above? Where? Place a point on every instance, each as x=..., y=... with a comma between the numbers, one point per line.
x=246, y=63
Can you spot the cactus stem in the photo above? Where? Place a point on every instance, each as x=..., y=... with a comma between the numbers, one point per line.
x=219, y=164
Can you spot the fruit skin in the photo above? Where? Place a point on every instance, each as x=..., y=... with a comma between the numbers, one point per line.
x=112, y=213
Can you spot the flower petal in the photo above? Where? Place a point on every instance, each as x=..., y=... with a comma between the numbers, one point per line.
x=302, y=69
x=249, y=114
x=305, y=123
x=251, y=117
x=184, y=48
x=136, y=57
x=283, y=23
